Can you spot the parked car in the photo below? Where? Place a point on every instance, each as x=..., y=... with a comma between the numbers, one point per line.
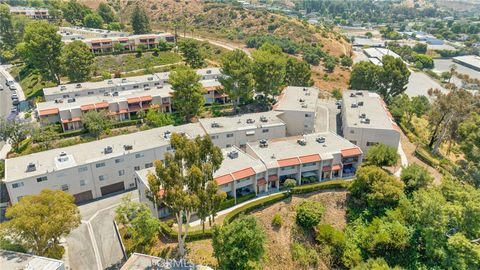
x=10, y=82
x=14, y=96
x=15, y=102
x=14, y=110
x=12, y=87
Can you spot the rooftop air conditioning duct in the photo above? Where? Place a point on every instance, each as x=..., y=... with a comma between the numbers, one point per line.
x=233, y=154
x=108, y=150
x=320, y=139
x=127, y=147
x=263, y=143
x=302, y=142
x=31, y=167
x=250, y=121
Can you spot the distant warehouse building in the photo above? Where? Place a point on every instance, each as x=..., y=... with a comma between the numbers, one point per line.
x=366, y=120
x=375, y=55
x=471, y=61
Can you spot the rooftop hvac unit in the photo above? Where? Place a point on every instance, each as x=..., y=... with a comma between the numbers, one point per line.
x=352, y=94
x=63, y=154
x=108, y=150
x=233, y=154
x=365, y=121
x=209, y=71
x=146, y=88
x=109, y=82
x=31, y=167
x=307, y=93
x=250, y=121
x=360, y=103
x=215, y=125
x=115, y=94
x=363, y=116
x=79, y=85
x=167, y=134
x=354, y=105
x=63, y=87
x=106, y=94
x=150, y=78
x=302, y=142
x=124, y=80
x=263, y=143
x=359, y=93
x=301, y=100
x=127, y=147
x=305, y=89
x=304, y=105
x=58, y=100
x=70, y=100
x=320, y=139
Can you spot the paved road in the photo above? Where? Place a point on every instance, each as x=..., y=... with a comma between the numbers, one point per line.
x=5, y=101
x=94, y=244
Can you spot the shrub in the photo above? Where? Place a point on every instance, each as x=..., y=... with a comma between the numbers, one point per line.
x=254, y=206
x=333, y=238
x=321, y=186
x=290, y=183
x=309, y=213
x=303, y=255
x=277, y=220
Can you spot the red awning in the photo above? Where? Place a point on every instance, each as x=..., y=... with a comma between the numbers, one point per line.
x=243, y=173
x=310, y=158
x=133, y=100
x=336, y=167
x=74, y=119
x=224, y=179
x=87, y=107
x=48, y=112
x=261, y=181
x=351, y=152
x=326, y=168
x=272, y=178
x=288, y=162
x=101, y=105
x=145, y=98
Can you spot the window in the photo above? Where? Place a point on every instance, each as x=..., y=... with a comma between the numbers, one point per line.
x=102, y=177
x=118, y=160
x=243, y=180
x=90, y=93
x=64, y=187
x=139, y=155
x=229, y=135
x=287, y=168
x=135, y=86
x=309, y=164
x=131, y=185
x=352, y=131
x=41, y=179
x=121, y=172
x=99, y=165
x=83, y=169
x=148, y=165
x=229, y=145
x=265, y=130
x=354, y=142
x=17, y=185
x=371, y=143
x=82, y=183
x=214, y=137
x=136, y=168
x=307, y=115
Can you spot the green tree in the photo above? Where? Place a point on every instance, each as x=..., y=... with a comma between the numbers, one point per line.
x=425, y=60
x=420, y=48
x=331, y=240
x=446, y=76
x=297, y=73
x=78, y=61
x=211, y=199
x=337, y=94
x=14, y=130
x=329, y=64
x=157, y=119
x=115, y=26
x=309, y=213
x=365, y=75
x=237, y=78
x=74, y=12
x=382, y=155
x=268, y=72
x=375, y=264
x=93, y=20
x=240, y=244
x=38, y=222
x=140, y=21
x=97, y=122
x=415, y=177
x=374, y=189
x=289, y=184
x=187, y=96
x=42, y=49
x=469, y=169
x=369, y=34
x=7, y=33
x=346, y=61
x=44, y=135
x=462, y=253
x=394, y=77
x=193, y=53
x=182, y=177
x=106, y=13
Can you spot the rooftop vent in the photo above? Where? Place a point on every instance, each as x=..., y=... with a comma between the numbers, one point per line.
x=360, y=103
x=263, y=119
x=209, y=71
x=108, y=150
x=307, y=93
x=146, y=88
x=127, y=147
x=215, y=125
x=263, y=143
x=362, y=116
x=305, y=89
x=365, y=121
x=150, y=78
x=62, y=154
x=250, y=121
x=359, y=93
x=352, y=94
x=58, y=100
x=233, y=154
x=106, y=94
x=110, y=82
x=304, y=105
x=62, y=157
x=273, y=156
x=31, y=167
x=63, y=87
x=70, y=100
x=301, y=100
x=79, y=85
x=302, y=142
x=354, y=105
x=320, y=139
x=115, y=94
x=167, y=134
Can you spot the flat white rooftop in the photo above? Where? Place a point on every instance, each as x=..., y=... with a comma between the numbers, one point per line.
x=294, y=98
x=80, y=154
x=360, y=105
x=241, y=122
x=289, y=147
x=235, y=160
x=20, y=261
x=379, y=53
x=470, y=60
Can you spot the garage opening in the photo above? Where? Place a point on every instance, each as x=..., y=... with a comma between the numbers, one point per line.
x=113, y=188
x=83, y=196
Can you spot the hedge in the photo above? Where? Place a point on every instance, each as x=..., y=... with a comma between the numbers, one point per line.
x=73, y=133
x=231, y=202
x=249, y=207
x=192, y=235
x=321, y=186
x=125, y=123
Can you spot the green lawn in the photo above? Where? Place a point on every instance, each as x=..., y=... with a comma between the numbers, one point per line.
x=32, y=83
x=130, y=61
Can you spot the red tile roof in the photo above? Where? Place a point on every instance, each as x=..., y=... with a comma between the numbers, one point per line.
x=310, y=158
x=145, y=98
x=48, y=112
x=351, y=152
x=224, y=179
x=101, y=105
x=133, y=100
x=243, y=173
x=288, y=162
x=261, y=181
x=87, y=107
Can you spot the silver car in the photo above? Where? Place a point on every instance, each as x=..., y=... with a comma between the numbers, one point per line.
x=12, y=87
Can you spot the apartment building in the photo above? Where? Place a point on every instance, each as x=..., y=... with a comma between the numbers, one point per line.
x=366, y=120
x=299, y=107
x=31, y=12
x=91, y=170
x=265, y=165
x=12, y=260
x=119, y=105
x=209, y=77
x=240, y=129
x=80, y=32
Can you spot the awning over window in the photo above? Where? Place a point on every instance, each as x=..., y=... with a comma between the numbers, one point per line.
x=261, y=181
x=288, y=162
x=351, y=152
x=48, y=112
x=243, y=173
x=224, y=179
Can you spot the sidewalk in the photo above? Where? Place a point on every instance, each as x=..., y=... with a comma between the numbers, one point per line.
x=403, y=159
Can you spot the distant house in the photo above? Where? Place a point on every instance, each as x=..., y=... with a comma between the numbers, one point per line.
x=33, y=13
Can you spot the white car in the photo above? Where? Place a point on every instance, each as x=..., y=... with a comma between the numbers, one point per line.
x=10, y=82
x=12, y=87
x=14, y=96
